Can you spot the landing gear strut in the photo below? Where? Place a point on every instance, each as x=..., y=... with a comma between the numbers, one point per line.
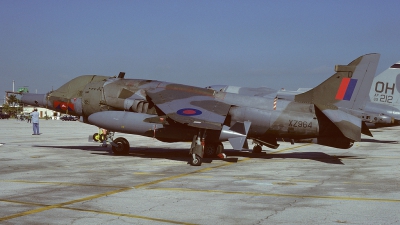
x=199, y=149
x=196, y=151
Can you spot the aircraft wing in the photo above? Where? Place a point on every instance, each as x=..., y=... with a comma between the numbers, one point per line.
x=192, y=106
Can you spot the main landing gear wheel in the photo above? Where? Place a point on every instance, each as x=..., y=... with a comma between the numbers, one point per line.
x=122, y=147
x=210, y=150
x=257, y=149
x=96, y=137
x=213, y=150
x=195, y=160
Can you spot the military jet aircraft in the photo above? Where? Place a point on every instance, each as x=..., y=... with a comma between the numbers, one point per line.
x=172, y=112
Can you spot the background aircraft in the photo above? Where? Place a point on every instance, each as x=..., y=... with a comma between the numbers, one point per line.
x=384, y=97
x=175, y=112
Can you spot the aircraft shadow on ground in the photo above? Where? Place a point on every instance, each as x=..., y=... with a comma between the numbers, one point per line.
x=316, y=156
x=182, y=154
x=378, y=141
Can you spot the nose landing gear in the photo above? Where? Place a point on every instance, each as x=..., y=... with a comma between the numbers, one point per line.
x=120, y=146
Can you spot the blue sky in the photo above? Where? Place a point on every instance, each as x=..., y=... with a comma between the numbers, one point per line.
x=278, y=44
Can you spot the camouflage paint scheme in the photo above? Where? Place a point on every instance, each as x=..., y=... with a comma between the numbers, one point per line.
x=177, y=112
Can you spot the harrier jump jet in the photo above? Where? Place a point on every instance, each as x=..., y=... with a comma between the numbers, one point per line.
x=179, y=113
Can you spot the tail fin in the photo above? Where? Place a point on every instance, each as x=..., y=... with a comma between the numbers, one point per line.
x=347, y=88
x=385, y=88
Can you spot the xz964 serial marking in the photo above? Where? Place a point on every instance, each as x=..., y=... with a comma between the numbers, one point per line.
x=296, y=123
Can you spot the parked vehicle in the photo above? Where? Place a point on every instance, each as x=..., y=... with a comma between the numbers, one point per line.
x=4, y=116
x=68, y=118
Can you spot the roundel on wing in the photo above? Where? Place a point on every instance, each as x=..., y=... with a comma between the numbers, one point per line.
x=188, y=112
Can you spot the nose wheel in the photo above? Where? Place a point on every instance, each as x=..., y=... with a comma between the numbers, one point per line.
x=120, y=146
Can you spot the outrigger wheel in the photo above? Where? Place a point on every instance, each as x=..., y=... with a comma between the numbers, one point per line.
x=122, y=146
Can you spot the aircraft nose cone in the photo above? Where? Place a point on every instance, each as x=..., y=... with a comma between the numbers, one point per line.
x=34, y=99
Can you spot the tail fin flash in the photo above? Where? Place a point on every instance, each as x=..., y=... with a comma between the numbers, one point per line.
x=347, y=88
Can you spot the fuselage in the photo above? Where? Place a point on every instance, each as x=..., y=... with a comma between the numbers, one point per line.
x=124, y=105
